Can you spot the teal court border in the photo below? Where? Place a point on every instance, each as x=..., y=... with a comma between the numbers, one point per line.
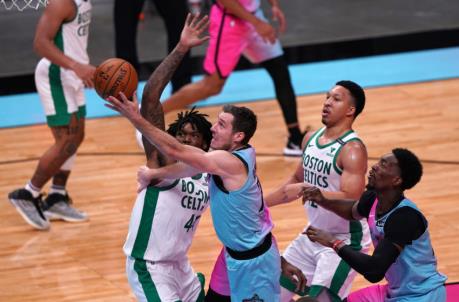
x=255, y=85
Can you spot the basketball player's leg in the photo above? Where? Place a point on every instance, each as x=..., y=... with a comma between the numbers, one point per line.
x=270, y=56
x=191, y=283
x=300, y=254
x=57, y=204
x=210, y=85
x=155, y=282
x=63, y=102
x=227, y=40
x=256, y=278
x=219, y=288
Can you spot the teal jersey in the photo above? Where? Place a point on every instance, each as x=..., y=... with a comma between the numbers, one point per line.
x=240, y=218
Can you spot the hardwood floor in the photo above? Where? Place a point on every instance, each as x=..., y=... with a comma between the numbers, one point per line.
x=85, y=262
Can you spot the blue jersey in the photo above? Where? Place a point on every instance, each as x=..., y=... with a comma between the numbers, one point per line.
x=240, y=218
x=414, y=274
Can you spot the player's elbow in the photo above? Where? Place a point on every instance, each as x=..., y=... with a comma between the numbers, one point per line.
x=374, y=277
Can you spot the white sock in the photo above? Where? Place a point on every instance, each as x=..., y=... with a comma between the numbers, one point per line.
x=57, y=189
x=32, y=189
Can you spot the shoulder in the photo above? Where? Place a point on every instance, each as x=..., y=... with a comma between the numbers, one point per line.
x=353, y=153
x=61, y=10
x=405, y=225
x=307, y=137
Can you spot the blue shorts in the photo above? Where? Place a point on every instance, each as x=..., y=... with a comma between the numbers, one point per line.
x=256, y=279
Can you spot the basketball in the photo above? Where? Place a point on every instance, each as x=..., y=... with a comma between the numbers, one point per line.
x=114, y=76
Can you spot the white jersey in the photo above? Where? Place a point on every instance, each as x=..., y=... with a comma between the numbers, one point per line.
x=164, y=219
x=321, y=170
x=72, y=38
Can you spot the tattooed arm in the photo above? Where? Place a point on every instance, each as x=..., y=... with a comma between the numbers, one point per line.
x=151, y=108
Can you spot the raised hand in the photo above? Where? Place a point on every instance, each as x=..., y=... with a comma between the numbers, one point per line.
x=278, y=16
x=127, y=108
x=192, y=31
x=266, y=31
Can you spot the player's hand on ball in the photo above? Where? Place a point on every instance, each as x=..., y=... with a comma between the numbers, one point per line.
x=193, y=29
x=127, y=108
x=85, y=72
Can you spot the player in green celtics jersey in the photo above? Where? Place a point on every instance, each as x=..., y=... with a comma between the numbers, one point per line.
x=335, y=161
x=61, y=40
x=166, y=212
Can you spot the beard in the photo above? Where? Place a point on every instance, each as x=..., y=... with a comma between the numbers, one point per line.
x=370, y=187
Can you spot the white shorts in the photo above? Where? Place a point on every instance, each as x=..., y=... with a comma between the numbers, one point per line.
x=164, y=282
x=61, y=93
x=322, y=267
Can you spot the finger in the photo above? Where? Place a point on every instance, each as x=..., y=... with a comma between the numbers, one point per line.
x=202, y=24
x=188, y=19
x=203, y=39
x=195, y=20
x=123, y=97
x=301, y=282
x=112, y=107
x=113, y=100
x=91, y=83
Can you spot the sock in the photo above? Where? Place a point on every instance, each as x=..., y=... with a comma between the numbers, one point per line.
x=295, y=135
x=57, y=189
x=32, y=189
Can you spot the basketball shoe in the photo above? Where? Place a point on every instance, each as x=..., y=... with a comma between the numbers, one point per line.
x=30, y=208
x=58, y=206
x=293, y=148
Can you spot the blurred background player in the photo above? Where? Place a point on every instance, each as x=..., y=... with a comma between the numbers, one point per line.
x=61, y=38
x=403, y=249
x=335, y=161
x=173, y=13
x=240, y=28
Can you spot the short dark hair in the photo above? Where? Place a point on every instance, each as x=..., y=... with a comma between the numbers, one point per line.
x=410, y=167
x=244, y=121
x=357, y=93
x=197, y=120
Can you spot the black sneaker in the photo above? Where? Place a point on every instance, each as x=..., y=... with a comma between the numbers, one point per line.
x=30, y=208
x=292, y=149
x=58, y=206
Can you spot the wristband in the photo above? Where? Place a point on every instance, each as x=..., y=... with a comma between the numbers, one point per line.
x=336, y=243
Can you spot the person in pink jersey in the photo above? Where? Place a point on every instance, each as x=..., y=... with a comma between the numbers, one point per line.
x=239, y=28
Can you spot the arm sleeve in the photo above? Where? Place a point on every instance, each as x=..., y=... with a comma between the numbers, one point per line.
x=404, y=226
x=373, y=267
x=365, y=203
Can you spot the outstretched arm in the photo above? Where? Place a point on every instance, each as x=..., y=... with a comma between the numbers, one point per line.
x=218, y=162
x=178, y=170
x=372, y=267
x=293, y=188
x=151, y=108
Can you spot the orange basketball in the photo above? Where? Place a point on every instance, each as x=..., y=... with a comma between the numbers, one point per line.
x=114, y=76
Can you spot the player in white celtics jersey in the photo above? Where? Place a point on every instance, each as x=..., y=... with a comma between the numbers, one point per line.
x=61, y=39
x=335, y=161
x=166, y=213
